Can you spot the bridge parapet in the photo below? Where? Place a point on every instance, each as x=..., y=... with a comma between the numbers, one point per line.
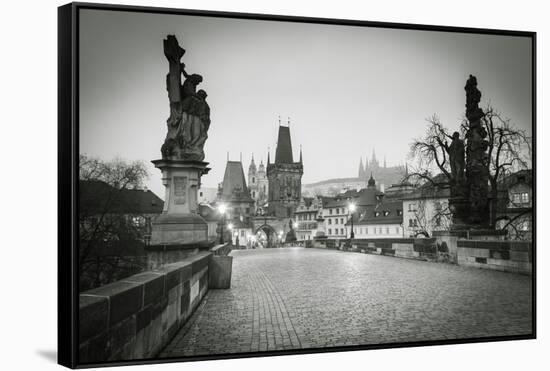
x=506, y=256
x=136, y=317
x=502, y=255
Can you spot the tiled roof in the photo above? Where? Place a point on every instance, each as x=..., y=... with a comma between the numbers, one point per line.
x=99, y=197
x=382, y=213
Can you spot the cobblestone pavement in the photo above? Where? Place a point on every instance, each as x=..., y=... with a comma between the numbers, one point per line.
x=300, y=298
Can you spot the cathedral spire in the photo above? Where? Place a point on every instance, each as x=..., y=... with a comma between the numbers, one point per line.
x=301, y=153
x=361, y=173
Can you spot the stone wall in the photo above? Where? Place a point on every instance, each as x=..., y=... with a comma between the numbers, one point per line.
x=501, y=255
x=506, y=256
x=136, y=317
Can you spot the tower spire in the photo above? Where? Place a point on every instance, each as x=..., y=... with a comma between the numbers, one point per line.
x=268, y=155
x=300, y=153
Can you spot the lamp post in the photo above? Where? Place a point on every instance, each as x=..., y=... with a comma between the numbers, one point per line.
x=230, y=227
x=222, y=209
x=351, y=208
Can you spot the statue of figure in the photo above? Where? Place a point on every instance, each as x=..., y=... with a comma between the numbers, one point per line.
x=473, y=97
x=456, y=158
x=189, y=119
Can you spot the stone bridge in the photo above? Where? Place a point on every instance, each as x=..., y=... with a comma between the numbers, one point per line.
x=297, y=298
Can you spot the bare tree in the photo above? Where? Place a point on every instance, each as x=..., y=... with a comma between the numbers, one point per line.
x=509, y=150
x=109, y=236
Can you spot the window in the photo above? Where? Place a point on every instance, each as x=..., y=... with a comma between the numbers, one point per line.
x=376, y=214
x=138, y=221
x=380, y=230
x=253, y=180
x=366, y=230
x=341, y=220
x=329, y=231
x=410, y=223
x=386, y=213
x=336, y=221
x=411, y=207
x=337, y=211
x=399, y=212
x=387, y=230
x=525, y=197
x=253, y=194
x=396, y=230
x=516, y=197
x=242, y=232
x=200, y=193
x=330, y=211
x=330, y=221
x=341, y=230
x=374, y=230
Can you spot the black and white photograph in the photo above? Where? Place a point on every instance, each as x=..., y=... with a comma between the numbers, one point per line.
x=251, y=186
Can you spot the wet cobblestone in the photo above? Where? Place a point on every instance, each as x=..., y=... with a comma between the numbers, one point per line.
x=295, y=298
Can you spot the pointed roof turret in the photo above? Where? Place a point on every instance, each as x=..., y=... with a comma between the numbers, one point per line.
x=361, y=173
x=252, y=166
x=234, y=183
x=268, y=161
x=283, y=153
x=301, y=154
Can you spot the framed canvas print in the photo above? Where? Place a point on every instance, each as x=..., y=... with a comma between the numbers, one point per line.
x=240, y=185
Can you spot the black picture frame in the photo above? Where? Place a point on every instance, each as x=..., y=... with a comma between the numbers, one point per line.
x=68, y=150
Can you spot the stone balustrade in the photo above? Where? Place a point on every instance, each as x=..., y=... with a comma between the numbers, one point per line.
x=136, y=317
x=496, y=254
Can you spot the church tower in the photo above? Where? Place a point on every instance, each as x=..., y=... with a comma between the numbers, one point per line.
x=284, y=178
x=252, y=179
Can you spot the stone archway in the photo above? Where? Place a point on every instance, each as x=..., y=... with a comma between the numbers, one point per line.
x=266, y=235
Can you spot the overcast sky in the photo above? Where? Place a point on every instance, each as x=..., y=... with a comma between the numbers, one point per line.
x=346, y=89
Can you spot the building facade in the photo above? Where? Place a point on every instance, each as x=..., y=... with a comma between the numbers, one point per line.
x=426, y=210
x=207, y=195
x=234, y=194
x=307, y=218
x=515, y=205
x=384, y=220
x=284, y=178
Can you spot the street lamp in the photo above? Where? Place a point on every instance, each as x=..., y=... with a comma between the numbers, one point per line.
x=351, y=208
x=222, y=209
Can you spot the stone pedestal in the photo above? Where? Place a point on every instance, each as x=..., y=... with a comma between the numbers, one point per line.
x=179, y=231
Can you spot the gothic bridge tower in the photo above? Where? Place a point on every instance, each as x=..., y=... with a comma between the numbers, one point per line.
x=284, y=178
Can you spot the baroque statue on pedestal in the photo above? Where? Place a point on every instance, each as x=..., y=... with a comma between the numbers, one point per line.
x=189, y=112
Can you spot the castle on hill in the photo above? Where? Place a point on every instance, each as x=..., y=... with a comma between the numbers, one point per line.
x=385, y=177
